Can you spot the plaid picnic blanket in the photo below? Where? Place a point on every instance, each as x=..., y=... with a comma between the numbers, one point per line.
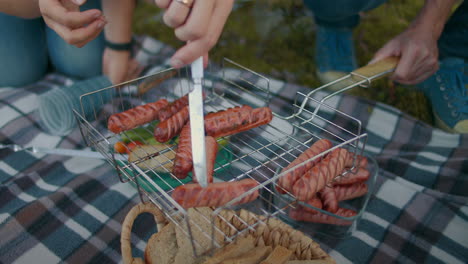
x=70, y=209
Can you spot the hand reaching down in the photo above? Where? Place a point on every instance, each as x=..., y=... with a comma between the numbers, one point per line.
x=75, y=27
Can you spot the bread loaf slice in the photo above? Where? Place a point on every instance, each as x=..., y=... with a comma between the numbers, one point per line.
x=253, y=256
x=279, y=256
x=240, y=246
x=162, y=246
x=200, y=229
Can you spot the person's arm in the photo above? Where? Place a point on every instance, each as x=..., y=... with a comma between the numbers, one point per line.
x=21, y=8
x=417, y=45
x=119, y=14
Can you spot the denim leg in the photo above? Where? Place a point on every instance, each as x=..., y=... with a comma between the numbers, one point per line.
x=23, y=50
x=340, y=13
x=85, y=62
x=454, y=39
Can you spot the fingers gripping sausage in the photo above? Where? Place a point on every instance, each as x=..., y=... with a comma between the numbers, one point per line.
x=318, y=176
x=172, y=108
x=215, y=194
x=135, y=117
x=211, y=151
x=299, y=214
x=286, y=182
x=172, y=126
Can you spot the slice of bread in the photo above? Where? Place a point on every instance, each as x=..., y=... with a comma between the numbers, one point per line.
x=239, y=247
x=162, y=246
x=253, y=256
x=199, y=229
x=279, y=256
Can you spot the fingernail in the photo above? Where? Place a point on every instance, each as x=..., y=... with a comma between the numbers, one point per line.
x=96, y=14
x=79, y=2
x=101, y=24
x=176, y=63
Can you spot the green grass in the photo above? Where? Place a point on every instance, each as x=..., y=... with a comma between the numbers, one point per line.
x=276, y=38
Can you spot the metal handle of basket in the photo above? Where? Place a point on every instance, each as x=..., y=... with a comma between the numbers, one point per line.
x=378, y=69
x=360, y=77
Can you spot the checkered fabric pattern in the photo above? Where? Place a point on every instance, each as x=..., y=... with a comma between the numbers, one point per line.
x=61, y=209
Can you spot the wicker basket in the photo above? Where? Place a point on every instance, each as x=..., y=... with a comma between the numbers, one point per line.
x=272, y=232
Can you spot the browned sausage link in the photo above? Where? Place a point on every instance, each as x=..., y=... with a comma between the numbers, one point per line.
x=232, y=122
x=351, y=191
x=211, y=150
x=183, y=159
x=315, y=202
x=219, y=121
x=361, y=175
x=172, y=126
x=136, y=116
x=318, y=176
x=361, y=161
x=286, y=182
x=217, y=125
x=173, y=108
x=215, y=194
x=299, y=214
x=329, y=199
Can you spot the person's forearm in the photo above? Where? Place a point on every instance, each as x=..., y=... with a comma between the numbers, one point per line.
x=119, y=14
x=20, y=8
x=433, y=16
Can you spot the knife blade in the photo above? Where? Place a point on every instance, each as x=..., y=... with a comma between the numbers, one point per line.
x=197, y=124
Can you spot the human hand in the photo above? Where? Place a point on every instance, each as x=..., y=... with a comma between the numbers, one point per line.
x=75, y=27
x=119, y=67
x=200, y=25
x=418, y=52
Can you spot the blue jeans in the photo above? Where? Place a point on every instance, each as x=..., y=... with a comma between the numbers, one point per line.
x=30, y=49
x=340, y=13
x=345, y=14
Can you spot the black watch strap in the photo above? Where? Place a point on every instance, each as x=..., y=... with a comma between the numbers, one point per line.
x=118, y=46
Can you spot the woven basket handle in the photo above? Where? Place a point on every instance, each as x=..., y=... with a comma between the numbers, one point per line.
x=125, y=237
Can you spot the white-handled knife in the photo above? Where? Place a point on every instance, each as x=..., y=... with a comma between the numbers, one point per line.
x=197, y=123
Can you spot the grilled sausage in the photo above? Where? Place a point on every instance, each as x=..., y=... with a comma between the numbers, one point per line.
x=361, y=161
x=173, y=107
x=135, y=117
x=315, y=202
x=211, y=147
x=350, y=191
x=318, y=176
x=183, y=160
x=361, y=175
x=172, y=126
x=286, y=182
x=329, y=199
x=299, y=214
x=235, y=120
x=215, y=194
x=219, y=124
